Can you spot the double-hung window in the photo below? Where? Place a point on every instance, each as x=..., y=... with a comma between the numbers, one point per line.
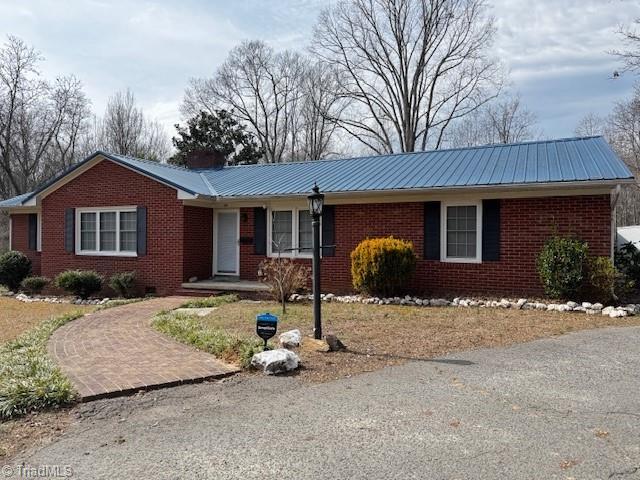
x=461, y=232
x=107, y=231
x=290, y=233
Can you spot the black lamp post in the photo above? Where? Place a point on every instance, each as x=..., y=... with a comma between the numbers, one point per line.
x=316, y=202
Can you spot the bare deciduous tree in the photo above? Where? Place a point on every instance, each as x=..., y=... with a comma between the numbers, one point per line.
x=287, y=101
x=261, y=88
x=504, y=120
x=125, y=130
x=621, y=128
x=410, y=67
x=321, y=105
x=40, y=121
x=590, y=125
x=631, y=55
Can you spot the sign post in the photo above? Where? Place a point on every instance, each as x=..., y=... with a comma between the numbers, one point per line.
x=266, y=327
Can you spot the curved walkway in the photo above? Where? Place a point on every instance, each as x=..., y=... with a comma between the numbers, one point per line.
x=116, y=351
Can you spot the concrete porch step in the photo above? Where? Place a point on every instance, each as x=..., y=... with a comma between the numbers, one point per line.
x=225, y=285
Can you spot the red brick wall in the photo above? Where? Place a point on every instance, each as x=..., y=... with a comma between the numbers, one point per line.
x=525, y=225
x=20, y=240
x=198, y=242
x=110, y=185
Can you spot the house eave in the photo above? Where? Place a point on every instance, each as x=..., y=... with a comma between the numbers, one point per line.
x=533, y=187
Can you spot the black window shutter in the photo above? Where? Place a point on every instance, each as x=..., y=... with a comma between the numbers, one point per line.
x=329, y=230
x=432, y=230
x=69, y=229
x=141, y=230
x=490, y=230
x=259, y=231
x=33, y=231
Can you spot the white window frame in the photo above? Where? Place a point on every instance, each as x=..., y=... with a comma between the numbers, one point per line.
x=295, y=233
x=98, y=252
x=443, y=231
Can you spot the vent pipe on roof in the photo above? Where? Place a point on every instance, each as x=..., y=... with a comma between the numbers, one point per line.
x=205, y=159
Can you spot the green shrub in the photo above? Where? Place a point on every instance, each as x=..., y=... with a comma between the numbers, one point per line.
x=599, y=279
x=81, y=283
x=561, y=266
x=123, y=283
x=382, y=266
x=627, y=260
x=211, y=301
x=189, y=329
x=29, y=380
x=34, y=285
x=14, y=267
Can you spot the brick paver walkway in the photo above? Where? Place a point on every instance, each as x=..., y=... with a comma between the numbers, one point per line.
x=116, y=351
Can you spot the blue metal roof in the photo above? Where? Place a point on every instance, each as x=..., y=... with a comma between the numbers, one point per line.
x=565, y=160
x=587, y=159
x=15, y=201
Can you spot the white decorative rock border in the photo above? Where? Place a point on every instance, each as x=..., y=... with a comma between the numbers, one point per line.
x=518, y=304
x=44, y=299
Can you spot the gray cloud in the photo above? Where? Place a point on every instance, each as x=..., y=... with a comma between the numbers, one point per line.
x=555, y=51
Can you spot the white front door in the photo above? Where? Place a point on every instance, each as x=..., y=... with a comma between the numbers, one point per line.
x=227, y=243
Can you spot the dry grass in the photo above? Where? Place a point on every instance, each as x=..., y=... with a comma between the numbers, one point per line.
x=35, y=430
x=18, y=317
x=377, y=336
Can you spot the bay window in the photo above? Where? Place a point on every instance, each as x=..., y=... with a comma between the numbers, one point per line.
x=290, y=233
x=107, y=231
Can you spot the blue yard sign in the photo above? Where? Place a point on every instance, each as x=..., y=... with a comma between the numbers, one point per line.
x=266, y=326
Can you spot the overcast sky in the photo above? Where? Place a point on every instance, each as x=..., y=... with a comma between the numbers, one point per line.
x=555, y=50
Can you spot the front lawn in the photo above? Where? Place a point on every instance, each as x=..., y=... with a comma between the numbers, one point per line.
x=381, y=335
x=18, y=317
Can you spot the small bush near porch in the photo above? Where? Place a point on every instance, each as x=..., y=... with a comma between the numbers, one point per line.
x=377, y=336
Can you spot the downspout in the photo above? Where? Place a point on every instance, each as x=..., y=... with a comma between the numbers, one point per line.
x=615, y=196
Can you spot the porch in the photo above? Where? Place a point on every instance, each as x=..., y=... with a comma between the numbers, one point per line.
x=225, y=284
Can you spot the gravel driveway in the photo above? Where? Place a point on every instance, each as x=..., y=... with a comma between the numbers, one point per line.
x=566, y=407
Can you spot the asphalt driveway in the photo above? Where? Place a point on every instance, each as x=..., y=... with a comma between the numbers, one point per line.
x=566, y=407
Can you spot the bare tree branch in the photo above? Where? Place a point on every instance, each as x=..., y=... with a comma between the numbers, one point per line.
x=410, y=67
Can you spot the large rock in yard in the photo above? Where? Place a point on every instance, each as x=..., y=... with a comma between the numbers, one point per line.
x=275, y=361
x=290, y=339
x=315, y=345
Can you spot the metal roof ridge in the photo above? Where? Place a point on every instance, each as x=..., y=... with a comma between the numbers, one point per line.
x=208, y=184
x=397, y=154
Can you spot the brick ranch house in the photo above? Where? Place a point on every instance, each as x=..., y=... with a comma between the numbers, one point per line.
x=477, y=216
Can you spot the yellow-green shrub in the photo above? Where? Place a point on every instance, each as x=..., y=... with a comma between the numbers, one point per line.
x=382, y=266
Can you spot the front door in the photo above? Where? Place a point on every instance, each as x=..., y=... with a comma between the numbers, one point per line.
x=227, y=243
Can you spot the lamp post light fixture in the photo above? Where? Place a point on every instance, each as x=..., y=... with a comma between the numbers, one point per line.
x=316, y=202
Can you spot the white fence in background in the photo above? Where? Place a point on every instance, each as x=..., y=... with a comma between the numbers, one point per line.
x=628, y=234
